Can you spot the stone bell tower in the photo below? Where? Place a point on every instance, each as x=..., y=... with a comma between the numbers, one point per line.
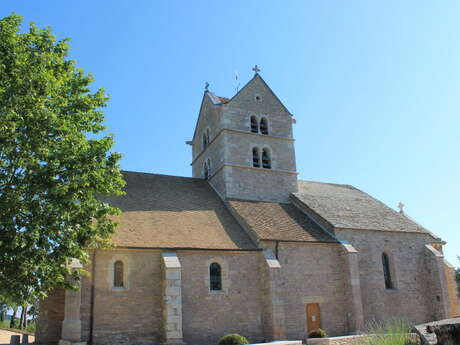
x=244, y=145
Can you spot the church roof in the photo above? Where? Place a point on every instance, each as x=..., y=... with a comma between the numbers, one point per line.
x=162, y=211
x=278, y=221
x=347, y=207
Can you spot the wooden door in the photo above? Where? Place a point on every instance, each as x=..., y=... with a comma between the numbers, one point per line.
x=313, y=317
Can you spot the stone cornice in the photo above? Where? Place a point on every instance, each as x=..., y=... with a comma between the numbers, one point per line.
x=239, y=132
x=252, y=168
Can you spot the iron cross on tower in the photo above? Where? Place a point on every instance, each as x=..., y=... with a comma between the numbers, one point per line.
x=256, y=69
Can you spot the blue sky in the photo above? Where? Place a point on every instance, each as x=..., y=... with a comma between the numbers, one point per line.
x=374, y=85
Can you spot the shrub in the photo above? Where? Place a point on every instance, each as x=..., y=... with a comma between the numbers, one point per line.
x=318, y=333
x=233, y=339
x=389, y=332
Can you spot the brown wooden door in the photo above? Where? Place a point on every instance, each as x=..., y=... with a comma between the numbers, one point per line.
x=313, y=317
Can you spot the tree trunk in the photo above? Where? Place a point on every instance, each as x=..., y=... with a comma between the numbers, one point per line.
x=13, y=317
x=25, y=316
x=21, y=319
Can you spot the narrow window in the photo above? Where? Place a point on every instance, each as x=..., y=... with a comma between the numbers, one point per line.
x=386, y=271
x=254, y=126
x=206, y=171
x=266, y=160
x=255, y=158
x=204, y=141
x=208, y=135
x=263, y=126
x=215, y=277
x=208, y=161
x=118, y=274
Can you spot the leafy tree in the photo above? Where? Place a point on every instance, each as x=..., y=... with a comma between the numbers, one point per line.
x=54, y=163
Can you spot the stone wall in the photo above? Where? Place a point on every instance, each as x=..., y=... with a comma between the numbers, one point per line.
x=133, y=314
x=209, y=117
x=236, y=115
x=312, y=273
x=259, y=184
x=208, y=315
x=51, y=315
x=241, y=144
x=413, y=298
x=452, y=289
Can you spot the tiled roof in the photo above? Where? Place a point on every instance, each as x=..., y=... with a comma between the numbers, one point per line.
x=162, y=211
x=277, y=221
x=345, y=206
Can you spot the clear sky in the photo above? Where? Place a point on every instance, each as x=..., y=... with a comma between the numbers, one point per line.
x=374, y=85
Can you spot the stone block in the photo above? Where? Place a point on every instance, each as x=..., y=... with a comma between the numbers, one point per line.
x=173, y=291
x=173, y=274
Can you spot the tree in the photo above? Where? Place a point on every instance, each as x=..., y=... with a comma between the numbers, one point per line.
x=13, y=317
x=55, y=162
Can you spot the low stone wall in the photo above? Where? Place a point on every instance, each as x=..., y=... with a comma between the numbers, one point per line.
x=349, y=340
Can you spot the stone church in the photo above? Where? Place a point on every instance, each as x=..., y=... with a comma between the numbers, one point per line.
x=246, y=247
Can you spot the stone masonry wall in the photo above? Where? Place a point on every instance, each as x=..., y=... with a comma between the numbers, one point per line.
x=312, y=273
x=454, y=310
x=51, y=315
x=259, y=184
x=208, y=315
x=209, y=117
x=241, y=144
x=133, y=314
x=237, y=113
x=412, y=299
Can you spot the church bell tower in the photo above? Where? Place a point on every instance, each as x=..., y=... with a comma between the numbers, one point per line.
x=244, y=145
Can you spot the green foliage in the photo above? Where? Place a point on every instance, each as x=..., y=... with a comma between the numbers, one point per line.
x=318, y=333
x=233, y=339
x=391, y=332
x=31, y=327
x=51, y=172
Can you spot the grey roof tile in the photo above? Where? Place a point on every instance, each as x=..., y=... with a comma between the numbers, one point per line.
x=345, y=206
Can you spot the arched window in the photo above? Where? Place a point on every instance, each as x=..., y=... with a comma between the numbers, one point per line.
x=266, y=160
x=263, y=126
x=255, y=158
x=207, y=169
x=387, y=271
x=215, y=277
x=254, y=125
x=118, y=274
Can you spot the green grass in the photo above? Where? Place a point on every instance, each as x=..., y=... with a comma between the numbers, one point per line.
x=391, y=332
x=30, y=327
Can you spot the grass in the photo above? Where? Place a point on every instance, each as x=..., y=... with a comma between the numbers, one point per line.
x=30, y=326
x=391, y=332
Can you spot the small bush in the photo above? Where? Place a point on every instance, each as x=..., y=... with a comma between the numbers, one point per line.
x=318, y=333
x=233, y=339
x=389, y=332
